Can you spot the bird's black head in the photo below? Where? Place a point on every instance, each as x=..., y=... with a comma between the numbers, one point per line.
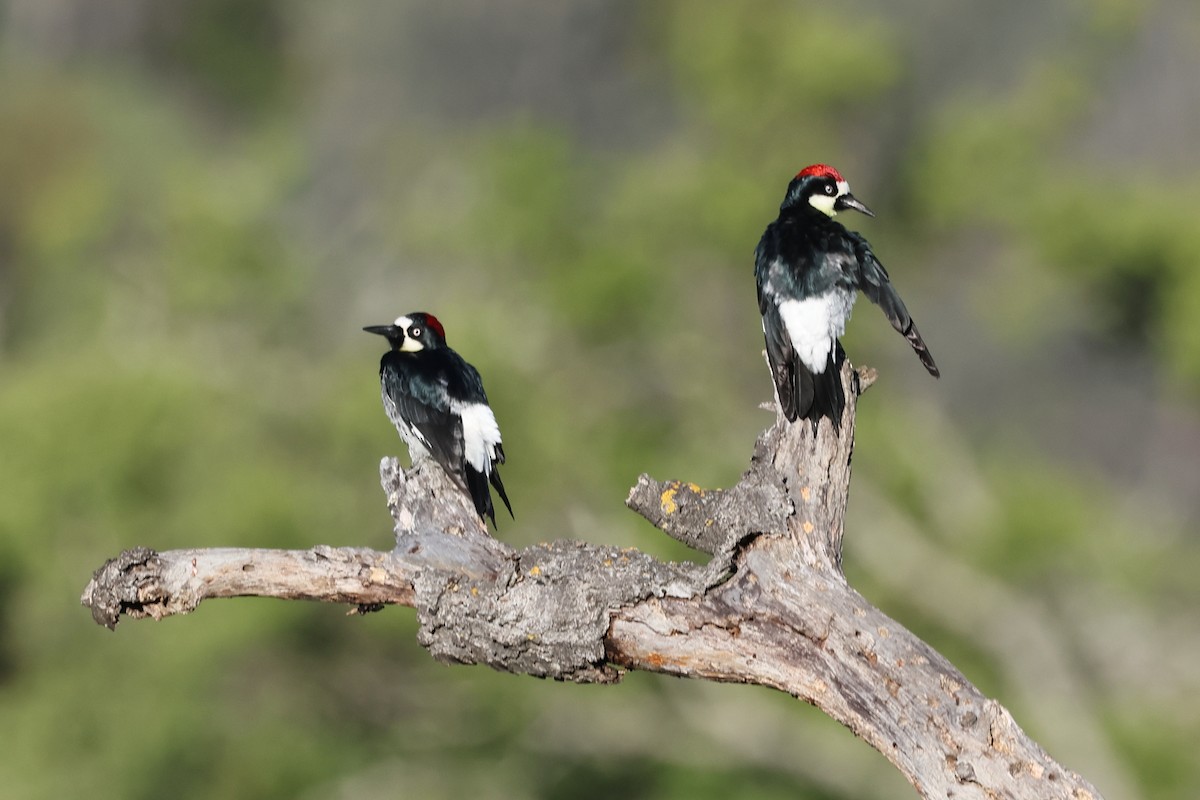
x=823, y=188
x=412, y=333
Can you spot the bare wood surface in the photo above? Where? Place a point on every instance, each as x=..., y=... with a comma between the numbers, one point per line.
x=771, y=606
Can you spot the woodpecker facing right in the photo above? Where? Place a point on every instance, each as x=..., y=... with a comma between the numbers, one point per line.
x=809, y=270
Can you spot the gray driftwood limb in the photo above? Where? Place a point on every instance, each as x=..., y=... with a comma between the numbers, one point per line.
x=771, y=607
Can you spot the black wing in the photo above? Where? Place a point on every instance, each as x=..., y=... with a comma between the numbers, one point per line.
x=425, y=406
x=873, y=281
x=789, y=374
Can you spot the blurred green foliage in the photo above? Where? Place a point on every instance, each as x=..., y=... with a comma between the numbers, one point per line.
x=201, y=203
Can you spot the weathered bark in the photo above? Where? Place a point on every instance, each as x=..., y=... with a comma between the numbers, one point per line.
x=771, y=607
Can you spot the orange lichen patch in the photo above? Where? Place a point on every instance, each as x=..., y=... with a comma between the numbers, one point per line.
x=805, y=494
x=474, y=591
x=607, y=562
x=655, y=661
x=667, y=498
x=808, y=527
x=535, y=571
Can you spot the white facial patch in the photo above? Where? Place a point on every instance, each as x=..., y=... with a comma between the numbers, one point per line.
x=814, y=324
x=481, y=434
x=824, y=202
x=408, y=344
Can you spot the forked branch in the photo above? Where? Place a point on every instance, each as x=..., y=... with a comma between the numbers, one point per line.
x=771, y=607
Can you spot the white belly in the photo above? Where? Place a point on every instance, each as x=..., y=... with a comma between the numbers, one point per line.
x=814, y=325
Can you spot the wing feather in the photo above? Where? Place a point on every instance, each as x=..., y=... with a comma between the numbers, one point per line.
x=873, y=281
x=426, y=409
x=786, y=370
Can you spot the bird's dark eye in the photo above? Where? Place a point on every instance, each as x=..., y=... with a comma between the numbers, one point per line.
x=830, y=189
x=414, y=332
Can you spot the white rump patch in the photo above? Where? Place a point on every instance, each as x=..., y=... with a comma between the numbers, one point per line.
x=814, y=324
x=481, y=434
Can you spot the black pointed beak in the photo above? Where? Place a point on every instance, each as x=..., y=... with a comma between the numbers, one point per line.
x=390, y=331
x=850, y=201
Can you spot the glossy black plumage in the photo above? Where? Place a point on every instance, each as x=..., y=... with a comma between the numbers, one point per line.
x=808, y=268
x=437, y=402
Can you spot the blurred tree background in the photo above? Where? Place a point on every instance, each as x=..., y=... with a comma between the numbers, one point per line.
x=202, y=202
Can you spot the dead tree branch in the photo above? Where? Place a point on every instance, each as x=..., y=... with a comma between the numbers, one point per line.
x=771, y=607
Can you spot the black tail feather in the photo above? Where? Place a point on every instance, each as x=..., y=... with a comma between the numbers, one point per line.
x=829, y=398
x=798, y=398
x=477, y=487
x=499, y=485
x=803, y=393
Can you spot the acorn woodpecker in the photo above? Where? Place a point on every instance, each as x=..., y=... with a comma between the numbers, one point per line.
x=437, y=403
x=809, y=269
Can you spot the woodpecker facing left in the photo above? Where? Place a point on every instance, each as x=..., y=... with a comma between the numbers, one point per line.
x=437, y=403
